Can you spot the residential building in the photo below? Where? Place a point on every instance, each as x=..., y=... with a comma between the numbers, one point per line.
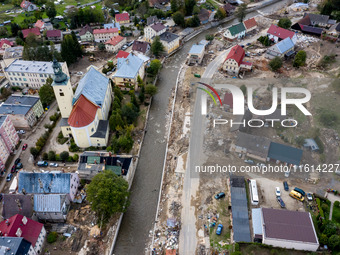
x=128, y=70
x=252, y=146
x=4, y=44
x=306, y=29
x=17, y=204
x=11, y=54
x=86, y=34
x=122, y=54
x=39, y=24
x=277, y=34
x=104, y=34
x=8, y=140
x=93, y=162
x=141, y=47
x=320, y=20
x=234, y=63
x=158, y=3
x=122, y=18
x=284, y=48
x=196, y=54
x=49, y=183
x=32, y=74
x=28, y=6
x=285, y=229
x=153, y=30
x=204, y=16
x=35, y=31
x=21, y=226
x=334, y=30
x=233, y=32
x=250, y=24
x=22, y=111
x=54, y=35
x=284, y=154
x=51, y=207
x=152, y=20
x=84, y=114
x=15, y=246
x=299, y=7
x=229, y=9
x=311, y=144
x=112, y=25
x=115, y=43
x=170, y=41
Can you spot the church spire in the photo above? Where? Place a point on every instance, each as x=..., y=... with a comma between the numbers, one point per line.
x=59, y=75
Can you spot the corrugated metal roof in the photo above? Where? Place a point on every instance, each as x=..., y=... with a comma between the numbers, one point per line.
x=48, y=203
x=256, y=214
x=128, y=67
x=285, y=153
x=284, y=45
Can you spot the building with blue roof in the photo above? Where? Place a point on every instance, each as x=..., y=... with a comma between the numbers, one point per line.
x=15, y=246
x=85, y=112
x=128, y=70
x=48, y=183
x=24, y=111
x=112, y=25
x=196, y=54
x=281, y=49
x=51, y=207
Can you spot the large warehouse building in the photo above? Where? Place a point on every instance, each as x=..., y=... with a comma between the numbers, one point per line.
x=286, y=229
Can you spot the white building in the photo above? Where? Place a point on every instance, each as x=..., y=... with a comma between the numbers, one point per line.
x=115, y=43
x=104, y=34
x=32, y=74
x=155, y=29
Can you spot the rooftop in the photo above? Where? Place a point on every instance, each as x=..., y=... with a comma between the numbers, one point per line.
x=288, y=225
x=14, y=245
x=150, y=20
x=49, y=203
x=26, y=66
x=122, y=54
x=28, y=31
x=83, y=113
x=158, y=27
x=237, y=53
x=53, y=33
x=105, y=30
x=122, y=17
x=85, y=29
x=13, y=52
x=256, y=145
x=197, y=49
x=128, y=67
x=112, y=25
x=285, y=153
x=168, y=37
x=5, y=41
x=283, y=46
x=280, y=32
x=16, y=104
x=249, y=23
x=47, y=183
x=317, y=18
x=140, y=46
x=115, y=40
x=236, y=29
x=17, y=204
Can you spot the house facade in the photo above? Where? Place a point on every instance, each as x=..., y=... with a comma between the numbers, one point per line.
x=170, y=41
x=234, y=60
x=23, y=111
x=34, y=30
x=153, y=30
x=54, y=35
x=233, y=32
x=277, y=34
x=86, y=34
x=28, y=6
x=281, y=49
x=196, y=54
x=250, y=24
x=122, y=18
x=84, y=113
x=115, y=43
x=51, y=207
x=8, y=139
x=141, y=47
x=104, y=34
x=4, y=44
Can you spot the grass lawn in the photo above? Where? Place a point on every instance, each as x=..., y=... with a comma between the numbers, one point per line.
x=213, y=3
x=61, y=7
x=5, y=7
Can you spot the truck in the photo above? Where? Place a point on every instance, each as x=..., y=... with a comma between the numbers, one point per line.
x=14, y=186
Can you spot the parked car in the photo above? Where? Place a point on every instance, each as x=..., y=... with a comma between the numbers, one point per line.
x=42, y=163
x=13, y=168
x=24, y=147
x=280, y=201
x=309, y=196
x=277, y=191
x=300, y=191
x=249, y=161
x=9, y=177
x=1, y=196
x=220, y=195
x=219, y=229
x=285, y=185
x=19, y=166
x=21, y=131
x=54, y=164
x=17, y=161
x=124, y=47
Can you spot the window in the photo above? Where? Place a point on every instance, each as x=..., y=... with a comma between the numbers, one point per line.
x=61, y=94
x=41, y=75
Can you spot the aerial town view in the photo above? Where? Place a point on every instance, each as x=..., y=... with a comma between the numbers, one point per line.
x=170, y=127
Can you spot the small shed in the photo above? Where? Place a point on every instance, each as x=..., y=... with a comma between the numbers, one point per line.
x=311, y=144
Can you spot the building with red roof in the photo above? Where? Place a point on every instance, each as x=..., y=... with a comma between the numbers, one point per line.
x=122, y=54
x=250, y=24
x=104, y=34
x=39, y=24
x=4, y=44
x=54, y=35
x=28, y=31
x=83, y=113
x=21, y=226
x=277, y=34
x=122, y=18
x=28, y=6
x=234, y=61
x=115, y=43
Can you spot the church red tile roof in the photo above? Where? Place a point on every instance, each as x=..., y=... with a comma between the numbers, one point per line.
x=83, y=113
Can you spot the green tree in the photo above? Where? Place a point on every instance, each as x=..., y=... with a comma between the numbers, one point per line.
x=101, y=47
x=196, y=10
x=64, y=156
x=241, y=12
x=155, y=66
x=328, y=118
x=300, y=140
x=46, y=93
x=15, y=29
x=334, y=242
x=220, y=13
x=178, y=18
x=118, y=93
x=209, y=37
x=193, y=22
x=51, y=11
x=189, y=6
x=108, y=194
x=116, y=121
x=284, y=23
x=275, y=64
x=130, y=113
x=300, y=59
x=174, y=5
x=70, y=48
x=51, y=155
x=157, y=47
x=3, y=31
x=141, y=95
x=34, y=152
x=151, y=89
x=323, y=239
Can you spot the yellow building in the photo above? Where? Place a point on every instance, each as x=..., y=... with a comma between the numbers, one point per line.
x=170, y=41
x=84, y=113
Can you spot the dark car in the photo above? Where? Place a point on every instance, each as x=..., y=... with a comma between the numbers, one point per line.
x=285, y=185
x=1, y=196
x=9, y=177
x=17, y=161
x=219, y=195
x=300, y=191
x=13, y=168
x=280, y=201
x=19, y=166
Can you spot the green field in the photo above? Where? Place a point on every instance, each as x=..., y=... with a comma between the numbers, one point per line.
x=5, y=7
x=61, y=7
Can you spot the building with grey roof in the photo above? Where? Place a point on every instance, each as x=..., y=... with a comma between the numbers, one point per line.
x=320, y=20
x=311, y=144
x=151, y=20
x=170, y=41
x=24, y=111
x=32, y=74
x=48, y=183
x=284, y=154
x=51, y=207
x=11, y=54
x=196, y=54
x=15, y=246
x=17, y=204
x=281, y=49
